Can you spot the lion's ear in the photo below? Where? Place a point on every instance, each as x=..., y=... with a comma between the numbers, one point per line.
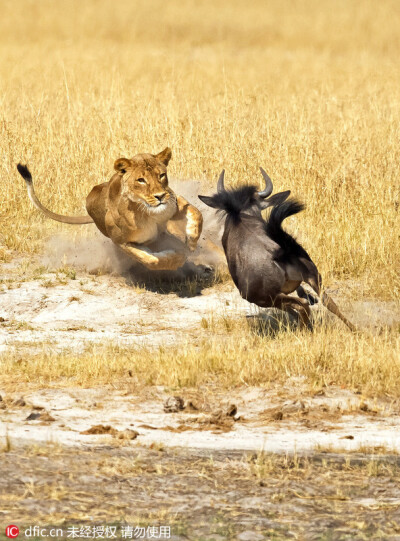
x=121, y=165
x=164, y=156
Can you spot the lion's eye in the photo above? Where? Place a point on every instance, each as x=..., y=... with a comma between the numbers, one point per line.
x=163, y=176
x=141, y=180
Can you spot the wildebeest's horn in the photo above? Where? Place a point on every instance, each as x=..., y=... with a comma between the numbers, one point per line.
x=268, y=185
x=220, y=185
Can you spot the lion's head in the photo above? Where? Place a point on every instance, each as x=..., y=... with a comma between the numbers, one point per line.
x=144, y=181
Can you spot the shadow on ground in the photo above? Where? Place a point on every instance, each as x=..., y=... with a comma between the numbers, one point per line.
x=188, y=281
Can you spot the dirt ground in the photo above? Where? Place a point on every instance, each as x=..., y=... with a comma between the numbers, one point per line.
x=202, y=494
x=274, y=420
x=248, y=464
x=69, y=307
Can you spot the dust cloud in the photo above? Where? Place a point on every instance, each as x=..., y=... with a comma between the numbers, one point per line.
x=87, y=248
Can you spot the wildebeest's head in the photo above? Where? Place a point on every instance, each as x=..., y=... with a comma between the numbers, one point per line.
x=246, y=199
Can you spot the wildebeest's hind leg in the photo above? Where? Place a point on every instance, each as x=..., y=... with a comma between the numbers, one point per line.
x=301, y=292
x=286, y=303
x=314, y=280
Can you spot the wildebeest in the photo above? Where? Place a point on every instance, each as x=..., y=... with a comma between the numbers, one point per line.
x=265, y=262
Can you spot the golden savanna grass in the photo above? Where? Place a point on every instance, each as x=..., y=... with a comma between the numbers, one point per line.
x=309, y=90
x=366, y=363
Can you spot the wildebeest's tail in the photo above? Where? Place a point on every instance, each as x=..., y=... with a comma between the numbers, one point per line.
x=289, y=246
x=26, y=175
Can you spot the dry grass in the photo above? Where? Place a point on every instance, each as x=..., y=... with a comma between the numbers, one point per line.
x=308, y=90
x=366, y=363
x=283, y=497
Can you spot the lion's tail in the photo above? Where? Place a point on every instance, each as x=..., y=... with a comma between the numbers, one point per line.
x=26, y=175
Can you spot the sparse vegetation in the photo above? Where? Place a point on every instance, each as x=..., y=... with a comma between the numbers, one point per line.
x=282, y=497
x=367, y=363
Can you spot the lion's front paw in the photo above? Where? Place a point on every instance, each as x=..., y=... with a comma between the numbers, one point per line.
x=167, y=260
x=176, y=260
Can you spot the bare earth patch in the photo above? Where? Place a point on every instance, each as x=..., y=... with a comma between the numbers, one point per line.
x=69, y=313
x=286, y=419
x=70, y=309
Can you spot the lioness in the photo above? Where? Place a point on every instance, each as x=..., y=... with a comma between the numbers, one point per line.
x=135, y=208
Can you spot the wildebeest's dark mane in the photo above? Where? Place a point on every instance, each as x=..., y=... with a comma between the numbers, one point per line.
x=233, y=202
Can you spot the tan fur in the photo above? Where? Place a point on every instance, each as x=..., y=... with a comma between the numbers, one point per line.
x=136, y=207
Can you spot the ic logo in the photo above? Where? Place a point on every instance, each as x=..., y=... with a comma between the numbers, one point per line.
x=12, y=531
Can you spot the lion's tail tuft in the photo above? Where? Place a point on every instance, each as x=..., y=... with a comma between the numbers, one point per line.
x=25, y=173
